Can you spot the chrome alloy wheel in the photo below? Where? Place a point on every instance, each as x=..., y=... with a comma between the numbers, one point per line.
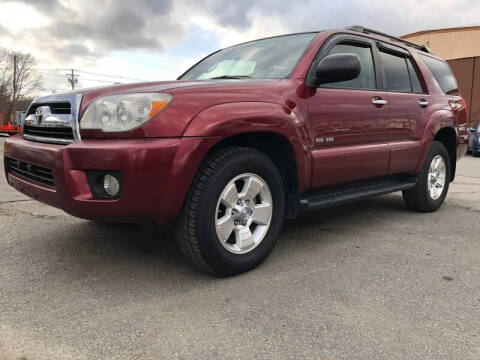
x=436, y=177
x=243, y=214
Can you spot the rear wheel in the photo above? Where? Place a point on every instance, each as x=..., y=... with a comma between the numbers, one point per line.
x=234, y=212
x=433, y=181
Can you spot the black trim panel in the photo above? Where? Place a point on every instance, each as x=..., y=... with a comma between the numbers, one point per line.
x=342, y=194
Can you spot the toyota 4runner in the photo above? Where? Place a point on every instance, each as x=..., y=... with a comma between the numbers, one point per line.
x=249, y=135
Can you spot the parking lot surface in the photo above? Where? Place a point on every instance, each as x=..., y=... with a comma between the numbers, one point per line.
x=370, y=280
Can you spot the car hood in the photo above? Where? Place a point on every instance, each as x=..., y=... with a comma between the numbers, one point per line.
x=189, y=99
x=172, y=87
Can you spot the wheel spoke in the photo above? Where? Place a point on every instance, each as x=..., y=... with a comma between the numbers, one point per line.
x=225, y=227
x=262, y=213
x=230, y=195
x=243, y=238
x=251, y=188
x=441, y=167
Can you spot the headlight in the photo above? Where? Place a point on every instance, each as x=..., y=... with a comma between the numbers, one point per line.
x=123, y=112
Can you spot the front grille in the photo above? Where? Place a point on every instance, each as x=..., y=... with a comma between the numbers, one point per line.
x=55, y=107
x=50, y=121
x=49, y=132
x=33, y=172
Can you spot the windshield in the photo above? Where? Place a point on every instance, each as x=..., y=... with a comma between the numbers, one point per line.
x=272, y=58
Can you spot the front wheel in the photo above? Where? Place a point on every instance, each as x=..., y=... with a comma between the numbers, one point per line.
x=433, y=181
x=234, y=212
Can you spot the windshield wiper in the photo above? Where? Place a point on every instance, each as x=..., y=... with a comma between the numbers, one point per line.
x=232, y=77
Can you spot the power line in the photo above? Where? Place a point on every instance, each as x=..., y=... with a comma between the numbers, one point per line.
x=103, y=81
x=82, y=79
x=49, y=74
x=59, y=75
x=73, y=78
x=112, y=76
x=58, y=69
x=90, y=73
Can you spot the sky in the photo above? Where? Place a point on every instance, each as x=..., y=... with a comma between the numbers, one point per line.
x=136, y=40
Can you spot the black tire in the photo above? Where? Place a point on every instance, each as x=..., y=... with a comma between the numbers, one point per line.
x=195, y=228
x=418, y=198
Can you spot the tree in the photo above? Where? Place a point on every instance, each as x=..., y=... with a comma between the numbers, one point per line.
x=18, y=79
x=24, y=78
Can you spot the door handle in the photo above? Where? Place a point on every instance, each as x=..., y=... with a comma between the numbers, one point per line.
x=423, y=103
x=379, y=102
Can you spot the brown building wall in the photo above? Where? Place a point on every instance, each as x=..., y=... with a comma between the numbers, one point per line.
x=467, y=72
x=457, y=43
x=475, y=108
x=463, y=70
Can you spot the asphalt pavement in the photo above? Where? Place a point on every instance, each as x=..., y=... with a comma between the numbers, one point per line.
x=370, y=280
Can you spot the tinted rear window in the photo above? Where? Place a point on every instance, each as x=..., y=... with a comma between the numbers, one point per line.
x=442, y=73
x=396, y=72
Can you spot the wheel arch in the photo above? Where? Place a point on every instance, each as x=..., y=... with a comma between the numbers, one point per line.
x=250, y=123
x=273, y=129
x=441, y=127
x=279, y=150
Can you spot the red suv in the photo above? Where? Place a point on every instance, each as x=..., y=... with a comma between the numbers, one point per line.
x=248, y=136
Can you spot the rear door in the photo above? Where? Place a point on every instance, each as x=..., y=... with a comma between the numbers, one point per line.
x=408, y=107
x=348, y=120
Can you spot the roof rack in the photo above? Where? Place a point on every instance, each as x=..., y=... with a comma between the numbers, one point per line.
x=361, y=29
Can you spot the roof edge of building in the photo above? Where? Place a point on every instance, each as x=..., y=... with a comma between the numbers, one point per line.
x=433, y=31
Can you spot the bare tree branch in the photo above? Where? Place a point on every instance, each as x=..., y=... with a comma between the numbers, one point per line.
x=18, y=79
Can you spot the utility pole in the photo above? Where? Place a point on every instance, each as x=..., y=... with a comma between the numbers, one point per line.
x=72, y=79
x=13, y=104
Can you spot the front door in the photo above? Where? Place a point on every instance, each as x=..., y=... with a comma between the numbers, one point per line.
x=349, y=122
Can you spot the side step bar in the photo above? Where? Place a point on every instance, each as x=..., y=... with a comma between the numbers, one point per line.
x=342, y=194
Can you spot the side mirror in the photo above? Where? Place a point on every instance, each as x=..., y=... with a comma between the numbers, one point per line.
x=336, y=68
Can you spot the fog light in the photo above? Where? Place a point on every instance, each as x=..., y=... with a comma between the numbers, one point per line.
x=111, y=185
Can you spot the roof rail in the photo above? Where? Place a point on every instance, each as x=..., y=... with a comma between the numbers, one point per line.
x=361, y=29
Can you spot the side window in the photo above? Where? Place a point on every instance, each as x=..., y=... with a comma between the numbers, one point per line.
x=442, y=73
x=416, y=84
x=396, y=72
x=366, y=79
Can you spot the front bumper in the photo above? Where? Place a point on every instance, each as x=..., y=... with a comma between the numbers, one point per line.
x=157, y=174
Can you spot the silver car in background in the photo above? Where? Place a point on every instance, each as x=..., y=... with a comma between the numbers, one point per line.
x=474, y=142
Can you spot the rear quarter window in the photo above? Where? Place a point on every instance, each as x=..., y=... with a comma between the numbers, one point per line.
x=442, y=73
x=416, y=84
